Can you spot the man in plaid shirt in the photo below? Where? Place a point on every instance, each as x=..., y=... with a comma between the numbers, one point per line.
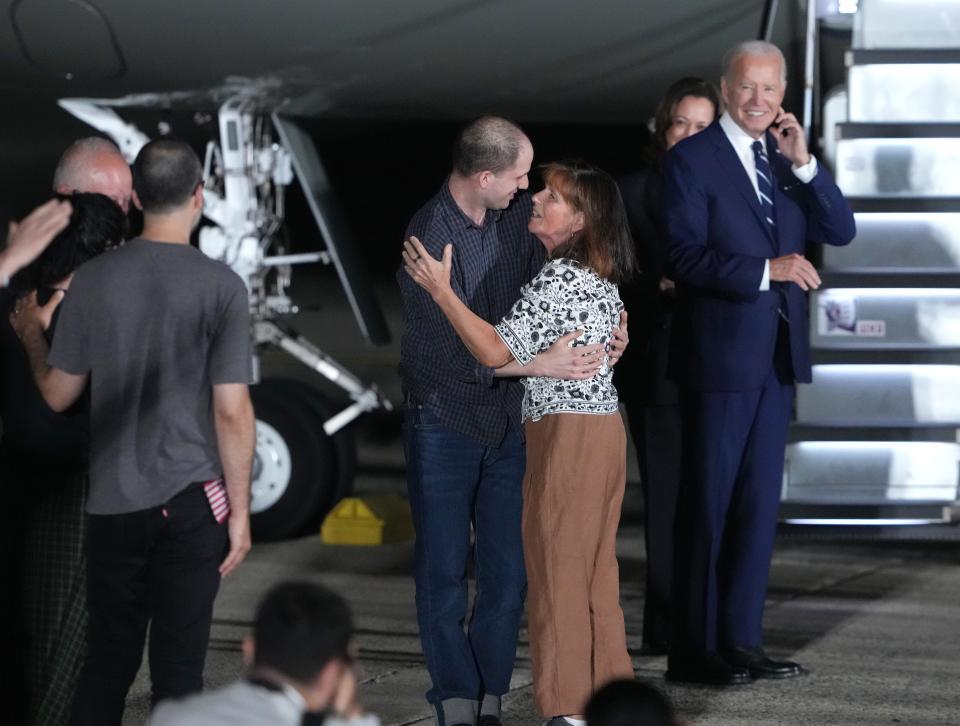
x=462, y=436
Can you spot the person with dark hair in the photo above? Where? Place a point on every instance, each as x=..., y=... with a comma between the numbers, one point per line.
x=96, y=224
x=742, y=202
x=576, y=444
x=165, y=176
x=688, y=106
x=651, y=399
x=489, y=144
x=43, y=456
x=630, y=703
x=162, y=335
x=462, y=438
x=27, y=239
x=301, y=668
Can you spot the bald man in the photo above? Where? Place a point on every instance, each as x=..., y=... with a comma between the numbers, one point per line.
x=55, y=604
x=94, y=165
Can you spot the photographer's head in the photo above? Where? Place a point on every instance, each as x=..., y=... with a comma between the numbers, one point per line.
x=168, y=185
x=302, y=636
x=630, y=703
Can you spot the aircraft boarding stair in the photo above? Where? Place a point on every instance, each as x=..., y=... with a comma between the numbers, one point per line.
x=875, y=439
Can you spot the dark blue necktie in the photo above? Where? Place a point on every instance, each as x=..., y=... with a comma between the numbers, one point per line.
x=764, y=182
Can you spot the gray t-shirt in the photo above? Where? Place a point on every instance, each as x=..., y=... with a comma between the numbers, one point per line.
x=156, y=325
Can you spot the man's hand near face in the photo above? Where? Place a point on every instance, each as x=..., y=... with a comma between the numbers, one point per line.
x=790, y=138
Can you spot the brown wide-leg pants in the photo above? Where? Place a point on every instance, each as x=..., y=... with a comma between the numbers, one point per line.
x=572, y=493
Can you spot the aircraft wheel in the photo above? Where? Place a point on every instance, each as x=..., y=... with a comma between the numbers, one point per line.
x=344, y=447
x=294, y=479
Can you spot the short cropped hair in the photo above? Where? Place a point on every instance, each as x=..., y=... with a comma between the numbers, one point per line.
x=489, y=143
x=299, y=628
x=74, y=163
x=629, y=703
x=752, y=47
x=165, y=173
x=604, y=244
x=679, y=90
x=96, y=224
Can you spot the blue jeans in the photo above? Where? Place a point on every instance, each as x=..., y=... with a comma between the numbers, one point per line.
x=454, y=483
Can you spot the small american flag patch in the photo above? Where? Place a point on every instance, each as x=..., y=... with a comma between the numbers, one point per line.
x=216, y=491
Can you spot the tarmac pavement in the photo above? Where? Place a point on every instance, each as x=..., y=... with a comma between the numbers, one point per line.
x=876, y=624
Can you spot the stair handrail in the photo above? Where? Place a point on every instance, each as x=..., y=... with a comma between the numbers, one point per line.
x=809, y=67
x=767, y=20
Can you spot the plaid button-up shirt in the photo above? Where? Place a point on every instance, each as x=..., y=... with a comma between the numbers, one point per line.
x=491, y=262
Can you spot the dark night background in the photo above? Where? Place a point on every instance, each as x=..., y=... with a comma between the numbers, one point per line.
x=381, y=172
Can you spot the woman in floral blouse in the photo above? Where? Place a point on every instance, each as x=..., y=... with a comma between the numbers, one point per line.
x=576, y=447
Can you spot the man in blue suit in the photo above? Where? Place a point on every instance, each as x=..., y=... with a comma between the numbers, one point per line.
x=742, y=200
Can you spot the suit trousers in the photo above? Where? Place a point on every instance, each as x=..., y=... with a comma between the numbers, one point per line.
x=730, y=495
x=572, y=493
x=656, y=432
x=156, y=567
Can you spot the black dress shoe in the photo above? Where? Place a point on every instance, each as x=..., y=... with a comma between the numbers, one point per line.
x=760, y=665
x=708, y=668
x=489, y=720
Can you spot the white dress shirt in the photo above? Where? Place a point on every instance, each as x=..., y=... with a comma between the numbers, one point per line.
x=743, y=146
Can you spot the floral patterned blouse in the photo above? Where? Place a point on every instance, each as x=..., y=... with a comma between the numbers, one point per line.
x=563, y=297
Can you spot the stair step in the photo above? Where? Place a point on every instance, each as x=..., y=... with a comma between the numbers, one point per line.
x=907, y=24
x=897, y=130
x=911, y=520
x=904, y=204
x=942, y=434
x=918, y=167
x=863, y=395
x=885, y=318
x=901, y=56
x=890, y=92
x=899, y=242
x=871, y=471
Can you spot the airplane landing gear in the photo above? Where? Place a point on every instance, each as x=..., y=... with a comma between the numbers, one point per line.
x=299, y=471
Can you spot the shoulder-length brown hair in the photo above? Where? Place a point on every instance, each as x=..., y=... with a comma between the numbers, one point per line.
x=604, y=244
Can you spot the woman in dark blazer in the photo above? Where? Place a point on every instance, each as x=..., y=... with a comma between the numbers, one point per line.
x=651, y=400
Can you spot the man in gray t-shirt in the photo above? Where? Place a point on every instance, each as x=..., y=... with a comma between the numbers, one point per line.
x=162, y=335
x=158, y=325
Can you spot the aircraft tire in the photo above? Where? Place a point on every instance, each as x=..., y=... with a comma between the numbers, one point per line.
x=294, y=475
x=344, y=445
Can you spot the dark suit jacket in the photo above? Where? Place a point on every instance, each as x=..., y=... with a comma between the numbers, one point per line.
x=641, y=376
x=725, y=329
